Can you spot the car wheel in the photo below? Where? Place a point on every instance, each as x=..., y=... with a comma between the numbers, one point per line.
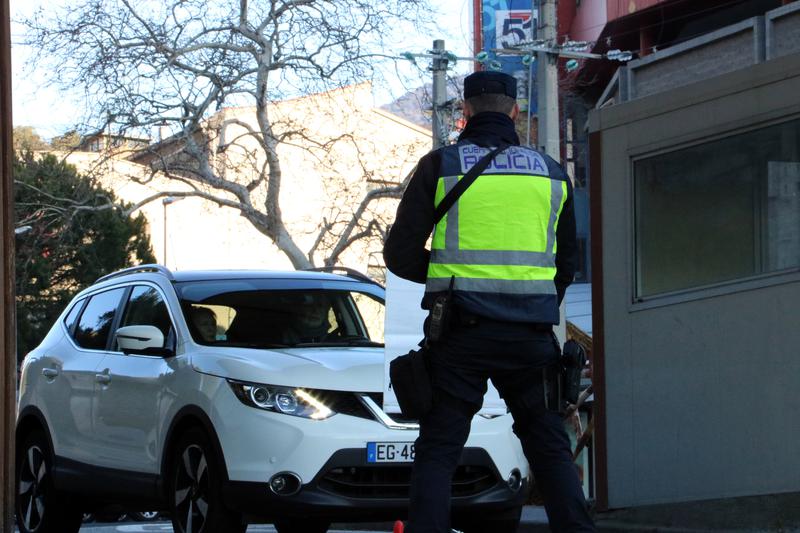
x=300, y=525
x=144, y=516
x=196, y=502
x=504, y=522
x=39, y=508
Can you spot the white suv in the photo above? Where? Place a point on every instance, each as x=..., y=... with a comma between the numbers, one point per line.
x=230, y=397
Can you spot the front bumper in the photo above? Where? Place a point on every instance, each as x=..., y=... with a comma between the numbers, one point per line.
x=349, y=488
x=258, y=444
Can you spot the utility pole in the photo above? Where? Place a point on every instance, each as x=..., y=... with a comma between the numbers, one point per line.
x=441, y=60
x=165, y=202
x=549, y=139
x=439, y=69
x=547, y=79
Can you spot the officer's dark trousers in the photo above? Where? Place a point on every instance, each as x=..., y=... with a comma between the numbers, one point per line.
x=511, y=355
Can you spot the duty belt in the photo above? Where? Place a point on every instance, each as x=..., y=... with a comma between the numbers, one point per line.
x=472, y=320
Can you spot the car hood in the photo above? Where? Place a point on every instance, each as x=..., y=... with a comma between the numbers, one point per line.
x=355, y=369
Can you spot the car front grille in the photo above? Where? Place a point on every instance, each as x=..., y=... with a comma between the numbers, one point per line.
x=393, y=481
x=348, y=403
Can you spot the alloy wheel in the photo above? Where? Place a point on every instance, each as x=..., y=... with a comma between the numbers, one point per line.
x=32, y=488
x=191, y=489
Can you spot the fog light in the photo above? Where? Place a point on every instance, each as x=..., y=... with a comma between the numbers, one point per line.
x=514, y=480
x=285, y=484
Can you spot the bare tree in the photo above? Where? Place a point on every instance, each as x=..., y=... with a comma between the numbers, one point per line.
x=177, y=65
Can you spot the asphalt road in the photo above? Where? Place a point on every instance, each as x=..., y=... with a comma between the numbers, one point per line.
x=534, y=520
x=167, y=527
x=164, y=527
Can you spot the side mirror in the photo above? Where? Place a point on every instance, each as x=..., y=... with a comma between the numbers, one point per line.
x=144, y=340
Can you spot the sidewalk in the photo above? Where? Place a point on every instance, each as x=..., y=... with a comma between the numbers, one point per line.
x=753, y=514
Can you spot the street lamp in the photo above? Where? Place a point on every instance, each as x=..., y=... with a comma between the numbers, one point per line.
x=165, y=202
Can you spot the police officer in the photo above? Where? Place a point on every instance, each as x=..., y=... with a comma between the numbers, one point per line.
x=509, y=245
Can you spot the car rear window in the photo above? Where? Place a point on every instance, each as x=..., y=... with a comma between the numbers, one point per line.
x=95, y=322
x=72, y=316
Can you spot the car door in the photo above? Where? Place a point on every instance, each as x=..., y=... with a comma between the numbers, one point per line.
x=69, y=373
x=129, y=399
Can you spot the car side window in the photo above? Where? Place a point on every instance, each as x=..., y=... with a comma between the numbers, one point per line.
x=373, y=312
x=146, y=308
x=95, y=322
x=72, y=316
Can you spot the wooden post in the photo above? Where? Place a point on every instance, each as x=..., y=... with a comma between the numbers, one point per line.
x=598, y=322
x=8, y=356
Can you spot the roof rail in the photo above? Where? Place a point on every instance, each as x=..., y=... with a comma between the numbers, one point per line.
x=139, y=268
x=349, y=272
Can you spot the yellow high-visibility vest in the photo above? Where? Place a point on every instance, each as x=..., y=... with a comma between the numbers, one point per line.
x=500, y=236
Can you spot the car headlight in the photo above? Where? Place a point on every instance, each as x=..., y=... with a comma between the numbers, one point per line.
x=286, y=400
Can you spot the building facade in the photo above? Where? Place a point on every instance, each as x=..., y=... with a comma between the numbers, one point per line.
x=346, y=148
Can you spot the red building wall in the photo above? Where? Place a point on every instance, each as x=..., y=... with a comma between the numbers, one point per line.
x=622, y=8
x=584, y=22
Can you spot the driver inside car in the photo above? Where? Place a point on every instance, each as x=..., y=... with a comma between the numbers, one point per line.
x=205, y=320
x=310, y=321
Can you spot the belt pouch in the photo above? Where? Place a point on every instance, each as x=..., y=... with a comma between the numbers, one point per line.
x=411, y=383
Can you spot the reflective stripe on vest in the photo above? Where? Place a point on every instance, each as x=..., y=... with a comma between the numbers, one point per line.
x=500, y=236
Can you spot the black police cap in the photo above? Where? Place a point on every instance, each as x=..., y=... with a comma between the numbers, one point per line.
x=489, y=82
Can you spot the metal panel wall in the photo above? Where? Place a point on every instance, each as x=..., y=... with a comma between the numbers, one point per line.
x=783, y=31
x=696, y=387
x=725, y=50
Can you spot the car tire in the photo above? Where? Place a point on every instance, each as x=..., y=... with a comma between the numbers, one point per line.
x=504, y=522
x=300, y=525
x=195, y=488
x=39, y=508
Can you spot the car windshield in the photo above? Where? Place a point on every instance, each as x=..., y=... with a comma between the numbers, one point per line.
x=251, y=314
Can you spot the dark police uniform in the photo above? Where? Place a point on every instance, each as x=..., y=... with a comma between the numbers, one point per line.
x=509, y=244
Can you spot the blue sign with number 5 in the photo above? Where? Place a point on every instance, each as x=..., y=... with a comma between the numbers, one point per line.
x=507, y=23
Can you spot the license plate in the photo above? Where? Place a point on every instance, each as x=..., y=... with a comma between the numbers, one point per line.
x=390, y=452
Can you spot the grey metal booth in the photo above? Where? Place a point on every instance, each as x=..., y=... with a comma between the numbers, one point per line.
x=695, y=198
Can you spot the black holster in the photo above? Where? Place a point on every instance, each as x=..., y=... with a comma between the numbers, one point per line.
x=573, y=361
x=562, y=380
x=438, y=321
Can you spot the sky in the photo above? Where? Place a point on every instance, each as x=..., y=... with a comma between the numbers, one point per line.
x=52, y=112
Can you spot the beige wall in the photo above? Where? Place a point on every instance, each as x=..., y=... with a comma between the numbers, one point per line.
x=321, y=179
